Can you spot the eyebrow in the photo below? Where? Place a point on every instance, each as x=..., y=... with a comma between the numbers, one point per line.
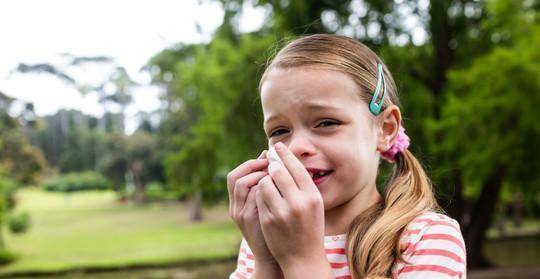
x=309, y=107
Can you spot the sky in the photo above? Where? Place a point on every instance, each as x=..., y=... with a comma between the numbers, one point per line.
x=33, y=31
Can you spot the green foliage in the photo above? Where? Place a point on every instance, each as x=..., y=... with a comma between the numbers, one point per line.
x=144, y=156
x=8, y=187
x=73, y=141
x=19, y=160
x=3, y=207
x=113, y=163
x=22, y=161
x=491, y=115
x=157, y=191
x=220, y=116
x=73, y=182
x=19, y=223
x=137, y=157
x=7, y=257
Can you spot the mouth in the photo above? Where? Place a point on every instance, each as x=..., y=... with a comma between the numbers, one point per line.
x=318, y=175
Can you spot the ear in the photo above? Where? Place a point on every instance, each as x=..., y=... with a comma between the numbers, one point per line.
x=389, y=122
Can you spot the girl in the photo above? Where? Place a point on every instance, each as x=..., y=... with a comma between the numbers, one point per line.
x=330, y=111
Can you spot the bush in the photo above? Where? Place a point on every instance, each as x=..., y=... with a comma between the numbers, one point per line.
x=73, y=182
x=7, y=257
x=8, y=187
x=19, y=222
x=157, y=191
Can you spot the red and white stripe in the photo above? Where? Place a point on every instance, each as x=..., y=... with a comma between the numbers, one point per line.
x=432, y=246
x=337, y=256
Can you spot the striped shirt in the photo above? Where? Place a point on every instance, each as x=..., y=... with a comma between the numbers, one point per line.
x=432, y=245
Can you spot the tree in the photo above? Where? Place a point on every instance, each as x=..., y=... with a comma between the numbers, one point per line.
x=138, y=156
x=491, y=116
x=144, y=161
x=114, y=162
x=220, y=119
x=116, y=88
x=19, y=160
x=71, y=140
x=430, y=74
x=20, y=163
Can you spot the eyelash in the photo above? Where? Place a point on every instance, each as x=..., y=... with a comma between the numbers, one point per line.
x=332, y=122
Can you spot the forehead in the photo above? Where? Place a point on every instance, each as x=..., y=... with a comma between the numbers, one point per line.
x=306, y=88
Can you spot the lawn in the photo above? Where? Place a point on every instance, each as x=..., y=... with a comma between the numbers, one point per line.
x=92, y=230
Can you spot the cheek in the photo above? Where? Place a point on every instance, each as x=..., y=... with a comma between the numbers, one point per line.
x=359, y=157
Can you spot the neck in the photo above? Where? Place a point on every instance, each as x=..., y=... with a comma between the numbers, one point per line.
x=338, y=219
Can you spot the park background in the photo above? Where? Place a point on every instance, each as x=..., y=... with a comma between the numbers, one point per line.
x=129, y=181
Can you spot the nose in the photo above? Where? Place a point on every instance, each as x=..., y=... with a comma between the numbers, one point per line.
x=301, y=145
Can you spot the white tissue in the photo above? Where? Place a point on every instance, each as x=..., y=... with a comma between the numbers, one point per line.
x=273, y=156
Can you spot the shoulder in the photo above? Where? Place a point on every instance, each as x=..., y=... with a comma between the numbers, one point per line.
x=431, y=225
x=432, y=246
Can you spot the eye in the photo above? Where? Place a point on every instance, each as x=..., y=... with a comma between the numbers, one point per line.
x=278, y=132
x=326, y=123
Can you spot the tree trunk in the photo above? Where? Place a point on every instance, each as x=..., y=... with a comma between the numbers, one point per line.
x=136, y=170
x=517, y=210
x=138, y=195
x=196, y=207
x=481, y=217
x=441, y=36
x=454, y=205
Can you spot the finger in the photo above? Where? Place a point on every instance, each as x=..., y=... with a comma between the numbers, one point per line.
x=242, y=170
x=251, y=204
x=262, y=155
x=262, y=207
x=242, y=187
x=283, y=181
x=296, y=169
x=270, y=194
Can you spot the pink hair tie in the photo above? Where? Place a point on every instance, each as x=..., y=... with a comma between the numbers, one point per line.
x=400, y=144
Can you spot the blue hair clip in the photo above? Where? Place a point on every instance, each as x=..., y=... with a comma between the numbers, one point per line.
x=375, y=107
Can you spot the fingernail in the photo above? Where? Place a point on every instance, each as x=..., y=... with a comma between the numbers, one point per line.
x=279, y=146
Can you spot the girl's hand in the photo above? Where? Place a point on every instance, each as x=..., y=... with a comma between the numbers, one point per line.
x=291, y=213
x=242, y=186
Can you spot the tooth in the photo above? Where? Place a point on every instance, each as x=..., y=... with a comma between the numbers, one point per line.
x=321, y=173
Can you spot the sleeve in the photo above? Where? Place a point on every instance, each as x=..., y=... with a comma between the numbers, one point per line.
x=433, y=248
x=245, y=264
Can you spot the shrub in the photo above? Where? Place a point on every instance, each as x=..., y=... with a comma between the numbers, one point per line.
x=8, y=187
x=73, y=182
x=7, y=257
x=157, y=191
x=19, y=222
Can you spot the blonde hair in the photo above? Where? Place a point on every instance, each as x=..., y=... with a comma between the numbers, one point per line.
x=373, y=236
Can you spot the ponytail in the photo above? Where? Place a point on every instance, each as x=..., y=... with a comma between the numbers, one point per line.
x=373, y=237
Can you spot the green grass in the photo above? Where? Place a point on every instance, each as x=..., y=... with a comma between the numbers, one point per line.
x=529, y=227
x=93, y=230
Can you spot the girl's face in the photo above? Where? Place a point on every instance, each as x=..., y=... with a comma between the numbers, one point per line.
x=319, y=115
